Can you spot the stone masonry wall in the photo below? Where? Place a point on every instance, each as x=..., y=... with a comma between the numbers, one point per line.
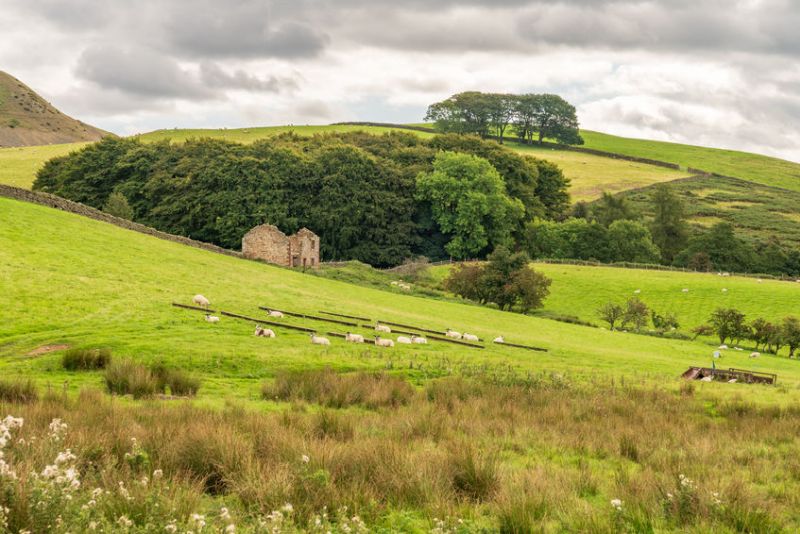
x=268, y=243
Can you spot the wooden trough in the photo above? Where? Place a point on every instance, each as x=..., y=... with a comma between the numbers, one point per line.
x=187, y=307
x=356, y=317
x=338, y=334
x=726, y=375
x=270, y=323
x=307, y=316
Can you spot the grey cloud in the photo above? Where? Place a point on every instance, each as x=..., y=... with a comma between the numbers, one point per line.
x=212, y=75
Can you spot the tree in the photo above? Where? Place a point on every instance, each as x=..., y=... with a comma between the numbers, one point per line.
x=610, y=209
x=700, y=261
x=630, y=241
x=763, y=332
x=117, y=205
x=467, y=112
x=728, y=323
x=636, y=313
x=790, y=334
x=702, y=330
x=469, y=202
x=726, y=251
x=664, y=322
x=552, y=189
x=546, y=117
x=611, y=313
x=669, y=227
x=500, y=108
x=498, y=273
x=464, y=280
x=530, y=287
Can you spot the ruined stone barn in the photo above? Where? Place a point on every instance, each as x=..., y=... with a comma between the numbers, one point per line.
x=266, y=242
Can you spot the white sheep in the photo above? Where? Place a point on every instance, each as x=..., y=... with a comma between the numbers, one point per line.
x=264, y=332
x=685, y=290
x=726, y=274
x=759, y=280
x=383, y=328
x=419, y=340
x=383, y=342
x=724, y=289
x=723, y=347
x=469, y=337
x=707, y=379
x=755, y=354
x=737, y=348
x=717, y=354
x=200, y=300
x=319, y=340
x=212, y=318
x=275, y=313
x=405, y=287
x=453, y=334
x=354, y=338
x=636, y=292
x=394, y=283
x=499, y=339
x=404, y=340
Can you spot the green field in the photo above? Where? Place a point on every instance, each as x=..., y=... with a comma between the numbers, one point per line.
x=579, y=291
x=751, y=167
x=755, y=210
x=81, y=282
x=18, y=165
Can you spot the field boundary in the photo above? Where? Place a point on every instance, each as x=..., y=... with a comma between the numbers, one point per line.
x=59, y=203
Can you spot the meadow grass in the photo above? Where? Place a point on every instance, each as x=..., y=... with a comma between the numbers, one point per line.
x=18, y=165
x=751, y=167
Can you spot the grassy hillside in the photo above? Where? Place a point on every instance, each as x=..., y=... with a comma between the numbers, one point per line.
x=580, y=290
x=27, y=119
x=755, y=210
x=752, y=167
x=71, y=280
x=18, y=165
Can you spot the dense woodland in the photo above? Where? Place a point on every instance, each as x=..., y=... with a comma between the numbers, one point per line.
x=376, y=199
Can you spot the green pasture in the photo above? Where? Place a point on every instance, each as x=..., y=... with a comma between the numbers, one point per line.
x=18, y=165
x=67, y=279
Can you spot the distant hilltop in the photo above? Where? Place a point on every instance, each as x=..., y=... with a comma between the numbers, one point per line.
x=27, y=119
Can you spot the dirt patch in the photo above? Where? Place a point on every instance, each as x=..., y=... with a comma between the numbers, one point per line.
x=44, y=349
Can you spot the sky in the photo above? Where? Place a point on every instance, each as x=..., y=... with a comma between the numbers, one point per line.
x=721, y=73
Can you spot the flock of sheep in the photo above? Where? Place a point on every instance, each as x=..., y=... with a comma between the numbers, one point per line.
x=201, y=301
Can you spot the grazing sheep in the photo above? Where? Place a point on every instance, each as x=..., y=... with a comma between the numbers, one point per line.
x=685, y=289
x=707, y=379
x=755, y=354
x=759, y=280
x=717, y=354
x=264, y=332
x=354, y=338
x=636, y=292
x=453, y=334
x=498, y=339
x=724, y=289
x=395, y=283
x=726, y=274
x=419, y=340
x=382, y=342
x=319, y=340
x=732, y=381
x=469, y=337
x=383, y=328
x=723, y=347
x=405, y=287
x=200, y=300
x=737, y=348
x=404, y=340
x=276, y=313
x=212, y=318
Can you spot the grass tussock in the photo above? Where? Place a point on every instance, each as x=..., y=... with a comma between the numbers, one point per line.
x=499, y=458
x=127, y=377
x=175, y=382
x=328, y=388
x=86, y=359
x=18, y=391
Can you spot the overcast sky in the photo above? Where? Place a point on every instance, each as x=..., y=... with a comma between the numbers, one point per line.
x=713, y=72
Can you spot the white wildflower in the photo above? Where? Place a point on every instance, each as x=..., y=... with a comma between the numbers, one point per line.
x=287, y=508
x=305, y=459
x=224, y=514
x=57, y=429
x=617, y=504
x=230, y=529
x=198, y=521
x=157, y=474
x=171, y=527
x=124, y=522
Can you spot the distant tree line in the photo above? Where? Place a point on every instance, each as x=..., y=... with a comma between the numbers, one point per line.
x=610, y=230
x=528, y=116
x=730, y=325
x=376, y=199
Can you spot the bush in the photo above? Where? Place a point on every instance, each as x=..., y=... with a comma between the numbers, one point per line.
x=18, y=391
x=129, y=378
x=86, y=359
x=179, y=382
x=474, y=475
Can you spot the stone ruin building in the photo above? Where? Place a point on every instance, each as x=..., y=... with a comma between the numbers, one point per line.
x=266, y=242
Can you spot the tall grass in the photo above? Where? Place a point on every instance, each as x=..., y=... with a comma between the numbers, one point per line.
x=126, y=377
x=18, y=391
x=86, y=359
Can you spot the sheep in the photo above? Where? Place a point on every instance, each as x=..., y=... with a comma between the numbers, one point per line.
x=354, y=338
x=707, y=379
x=263, y=332
x=717, y=354
x=469, y=337
x=404, y=340
x=636, y=292
x=759, y=280
x=275, y=313
x=201, y=301
x=737, y=348
x=726, y=274
x=419, y=340
x=755, y=354
x=212, y=318
x=723, y=347
x=685, y=290
x=319, y=340
x=498, y=339
x=383, y=328
x=453, y=334
x=732, y=381
x=382, y=342
x=405, y=287
x=394, y=283
x=724, y=289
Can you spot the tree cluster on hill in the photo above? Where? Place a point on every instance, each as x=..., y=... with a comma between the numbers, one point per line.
x=540, y=116
x=610, y=230
x=376, y=199
x=730, y=324
x=506, y=280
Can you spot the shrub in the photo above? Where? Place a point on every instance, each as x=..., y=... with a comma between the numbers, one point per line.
x=86, y=359
x=118, y=206
x=129, y=378
x=179, y=382
x=18, y=391
x=474, y=475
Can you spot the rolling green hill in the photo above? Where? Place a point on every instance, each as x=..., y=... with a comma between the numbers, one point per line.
x=19, y=165
x=72, y=280
x=751, y=167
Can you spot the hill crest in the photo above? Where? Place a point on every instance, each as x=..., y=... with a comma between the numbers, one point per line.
x=27, y=119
